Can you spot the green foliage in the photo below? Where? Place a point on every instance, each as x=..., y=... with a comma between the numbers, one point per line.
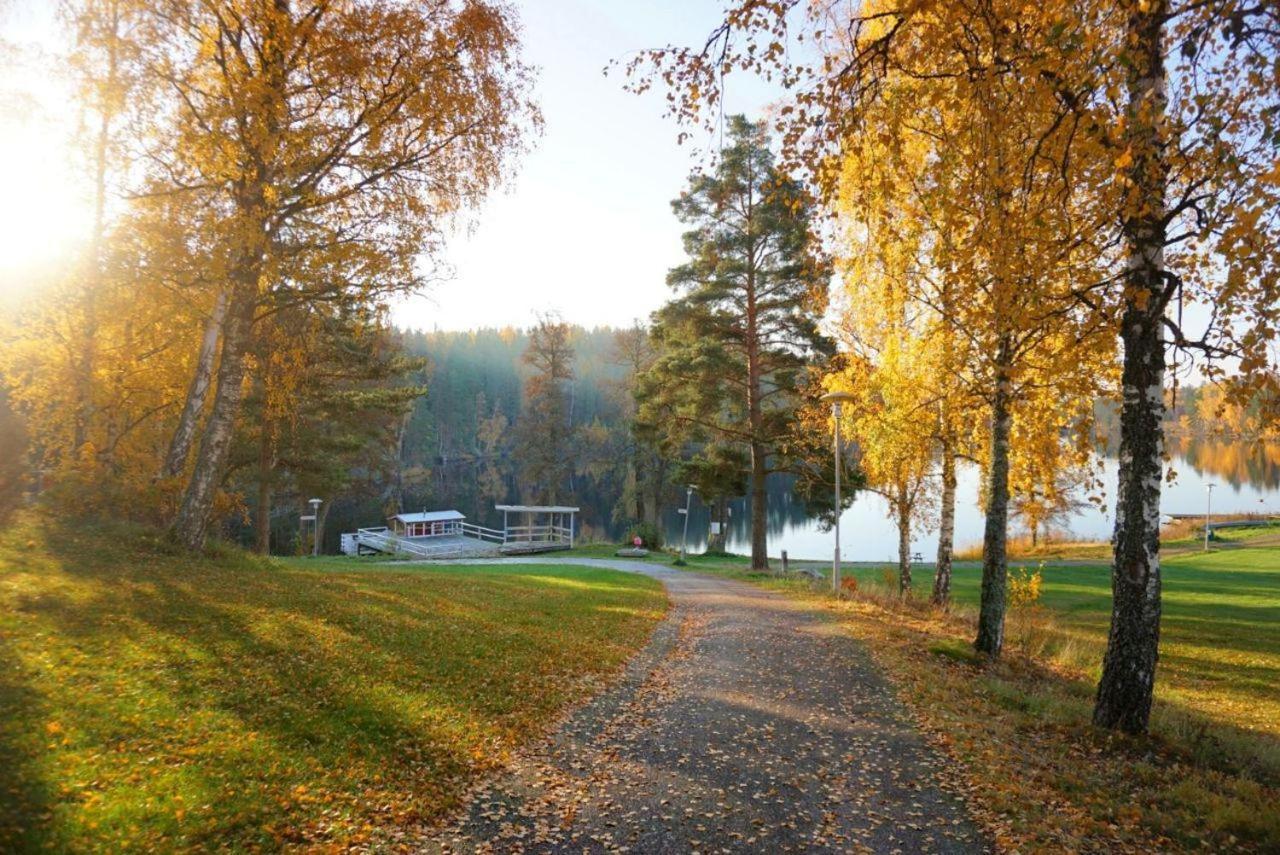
x=649, y=534
x=738, y=347
x=546, y=430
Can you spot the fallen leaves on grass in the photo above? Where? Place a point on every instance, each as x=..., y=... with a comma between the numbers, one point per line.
x=1039, y=775
x=154, y=703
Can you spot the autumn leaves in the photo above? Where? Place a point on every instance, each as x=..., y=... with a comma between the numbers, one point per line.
x=1039, y=204
x=269, y=172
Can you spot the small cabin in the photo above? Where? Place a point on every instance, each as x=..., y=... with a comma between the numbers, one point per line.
x=427, y=524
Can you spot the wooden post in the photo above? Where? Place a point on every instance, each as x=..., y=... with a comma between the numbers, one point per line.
x=785, y=568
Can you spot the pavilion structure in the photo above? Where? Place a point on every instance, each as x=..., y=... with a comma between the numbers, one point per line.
x=537, y=528
x=446, y=534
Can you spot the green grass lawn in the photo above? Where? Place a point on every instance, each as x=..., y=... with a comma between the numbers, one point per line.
x=150, y=700
x=1220, y=630
x=1020, y=729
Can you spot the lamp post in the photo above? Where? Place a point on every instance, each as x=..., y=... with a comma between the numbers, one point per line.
x=688, y=500
x=1208, y=506
x=315, y=525
x=837, y=399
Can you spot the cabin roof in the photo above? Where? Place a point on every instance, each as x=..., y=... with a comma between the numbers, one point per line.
x=537, y=509
x=429, y=516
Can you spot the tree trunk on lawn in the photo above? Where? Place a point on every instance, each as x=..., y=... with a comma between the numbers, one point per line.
x=189, y=421
x=946, y=527
x=95, y=278
x=262, y=518
x=904, y=543
x=759, y=510
x=755, y=416
x=192, y=524
x=716, y=543
x=1128, y=669
x=995, y=566
x=321, y=516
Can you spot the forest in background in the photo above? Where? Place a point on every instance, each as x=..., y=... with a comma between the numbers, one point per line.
x=458, y=444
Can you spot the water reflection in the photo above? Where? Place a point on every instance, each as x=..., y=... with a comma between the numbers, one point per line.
x=1254, y=464
x=1248, y=476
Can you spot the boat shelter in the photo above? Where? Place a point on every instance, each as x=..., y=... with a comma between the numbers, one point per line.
x=534, y=528
x=427, y=524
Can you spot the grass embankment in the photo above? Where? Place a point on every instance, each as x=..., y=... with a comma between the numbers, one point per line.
x=1043, y=776
x=149, y=700
x=1181, y=535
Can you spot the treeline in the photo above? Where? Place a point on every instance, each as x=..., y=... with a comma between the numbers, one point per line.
x=471, y=377
x=265, y=178
x=495, y=426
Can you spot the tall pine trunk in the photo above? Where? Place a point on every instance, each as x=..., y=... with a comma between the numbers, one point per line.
x=189, y=421
x=946, y=525
x=904, y=542
x=755, y=416
x=194, y=515
x=759, y=509
x=1128, y=669
x=995, y=565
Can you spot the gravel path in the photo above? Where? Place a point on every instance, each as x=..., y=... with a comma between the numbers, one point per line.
x=747, y=724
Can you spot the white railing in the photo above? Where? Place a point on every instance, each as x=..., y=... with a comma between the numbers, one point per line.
x=384, y=540
x=539, y=534
x=479, y=532
x=518, y=537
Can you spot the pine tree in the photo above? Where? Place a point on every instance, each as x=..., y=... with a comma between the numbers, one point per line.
x=740, y=341
x=545, y=431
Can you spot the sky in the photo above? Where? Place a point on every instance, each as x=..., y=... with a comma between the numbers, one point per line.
x=585, y=228
x=582, y=227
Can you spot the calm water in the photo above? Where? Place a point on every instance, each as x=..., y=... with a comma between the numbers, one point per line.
x=1247, y=479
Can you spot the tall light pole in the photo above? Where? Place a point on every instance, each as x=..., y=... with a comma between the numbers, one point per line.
x=837, y=399
x=315, y=525
x=684, y=541
x=1208, y=507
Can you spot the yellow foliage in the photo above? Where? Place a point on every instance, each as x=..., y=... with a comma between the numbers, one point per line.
x=1024, y=588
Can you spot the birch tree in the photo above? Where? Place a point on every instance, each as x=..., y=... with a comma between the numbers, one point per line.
x=1189, y=189
x=1198, y=201
x=334, y=138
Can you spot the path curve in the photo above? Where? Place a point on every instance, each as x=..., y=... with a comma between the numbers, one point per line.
x=749, y=723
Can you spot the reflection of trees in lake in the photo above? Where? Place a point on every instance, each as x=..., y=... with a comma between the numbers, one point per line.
x=785, y=510
x=474, y=486
x=1255, y=464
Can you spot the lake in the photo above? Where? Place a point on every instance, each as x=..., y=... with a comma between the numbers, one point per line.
x=1247, y=479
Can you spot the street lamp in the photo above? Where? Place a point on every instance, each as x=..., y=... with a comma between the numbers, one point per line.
x=1208, y=506
x=315, y=525
x=837, y=399
x=688, y=500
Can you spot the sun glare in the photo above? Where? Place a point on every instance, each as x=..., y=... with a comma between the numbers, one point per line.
x=44, y=207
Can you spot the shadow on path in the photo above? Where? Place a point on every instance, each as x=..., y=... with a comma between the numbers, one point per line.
x=748, y=724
